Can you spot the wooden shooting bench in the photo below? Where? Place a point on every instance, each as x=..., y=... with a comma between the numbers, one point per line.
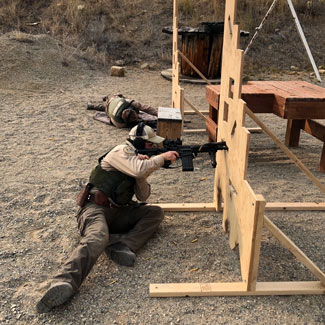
x=297, y=101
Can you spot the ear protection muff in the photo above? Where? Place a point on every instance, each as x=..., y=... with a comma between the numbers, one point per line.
x=140, y=129
x=139, y=142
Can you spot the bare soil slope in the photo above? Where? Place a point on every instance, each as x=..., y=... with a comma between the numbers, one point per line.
x=49, y=142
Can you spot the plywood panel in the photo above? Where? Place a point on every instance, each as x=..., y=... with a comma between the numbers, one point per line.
x=243, y=209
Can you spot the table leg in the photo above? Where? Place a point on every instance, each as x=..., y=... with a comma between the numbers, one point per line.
x=322, y=160
x=293, y=132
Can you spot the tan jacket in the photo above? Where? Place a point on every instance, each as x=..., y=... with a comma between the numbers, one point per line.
x=123, y=158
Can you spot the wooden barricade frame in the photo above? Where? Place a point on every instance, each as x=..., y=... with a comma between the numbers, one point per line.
x=243, y=210
x=178, y=93
x=178, y=98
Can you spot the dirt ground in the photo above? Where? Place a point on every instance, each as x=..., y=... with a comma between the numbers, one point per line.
x=49, y=142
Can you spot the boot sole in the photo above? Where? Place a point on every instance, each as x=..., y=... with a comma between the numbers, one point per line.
x=121, y=258
x=55, y=296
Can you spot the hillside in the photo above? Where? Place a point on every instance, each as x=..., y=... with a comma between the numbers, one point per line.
x=132, y=31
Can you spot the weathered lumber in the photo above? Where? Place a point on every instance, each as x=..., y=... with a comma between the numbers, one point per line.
x=235, y=289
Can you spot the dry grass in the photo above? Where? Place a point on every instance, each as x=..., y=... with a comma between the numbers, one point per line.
x=72, y=16
x=105, y=27
x=9, y=13
x=192, y=12
x=99, y=57
x=250, y=12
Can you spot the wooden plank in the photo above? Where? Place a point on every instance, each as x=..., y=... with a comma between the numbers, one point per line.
x=279, y=105
x=270, y=206
x=187, y=206
x=258, y=87
x=286, y=150
x=255, y=98
x=293, y=90
x=305, y=110
x=259, y=99
x=212, y=95
x=193, y=113
x=313, y=90
x=278, y=88
x=259, y=103
x=175, y=63
x=212, y=129
x=254, y=130
x=315, y=129
x=235, y=289
x=256, y=244
x=194, y=130
x=194, y=109
x=294, y=206
x=285, y=89
x=196, y=289
x=294, y=249
x=293, y=99
x=177, y=91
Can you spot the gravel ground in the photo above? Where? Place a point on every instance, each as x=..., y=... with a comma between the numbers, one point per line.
x=49, y=142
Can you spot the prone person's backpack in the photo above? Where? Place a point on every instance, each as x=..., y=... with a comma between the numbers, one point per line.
x=116, y=107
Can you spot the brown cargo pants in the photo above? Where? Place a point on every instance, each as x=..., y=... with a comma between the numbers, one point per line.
x=134, y=225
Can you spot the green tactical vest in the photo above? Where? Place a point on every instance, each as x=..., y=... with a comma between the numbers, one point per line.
x=116, y=185
x=116, y=108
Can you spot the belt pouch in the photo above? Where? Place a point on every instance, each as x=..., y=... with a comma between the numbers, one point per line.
x=83, y=195
x=101, y=199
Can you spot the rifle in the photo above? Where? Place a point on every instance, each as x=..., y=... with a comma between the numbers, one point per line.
x=186, y=153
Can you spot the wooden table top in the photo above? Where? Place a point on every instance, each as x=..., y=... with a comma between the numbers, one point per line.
x=287, y=99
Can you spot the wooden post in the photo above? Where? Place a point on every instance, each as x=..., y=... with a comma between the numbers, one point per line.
x=177, y=91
